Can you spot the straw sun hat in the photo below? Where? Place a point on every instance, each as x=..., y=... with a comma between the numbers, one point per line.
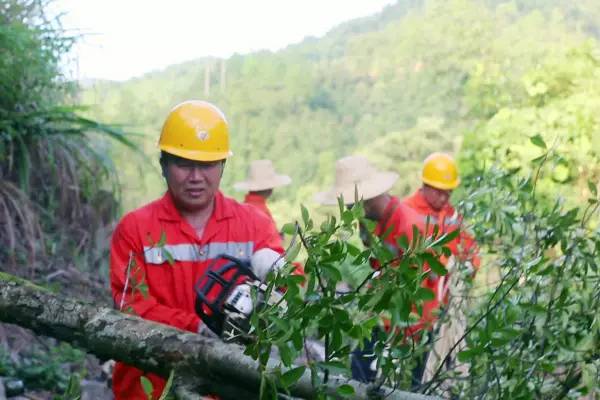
x=262, y=176
x=356, y=172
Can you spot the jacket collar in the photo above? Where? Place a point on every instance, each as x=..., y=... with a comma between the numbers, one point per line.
x=418, y=202
x=252, y=198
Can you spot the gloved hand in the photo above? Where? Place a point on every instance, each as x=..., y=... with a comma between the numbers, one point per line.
x=265, y=260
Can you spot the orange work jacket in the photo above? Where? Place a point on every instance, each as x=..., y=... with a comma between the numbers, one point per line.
x=234, y=229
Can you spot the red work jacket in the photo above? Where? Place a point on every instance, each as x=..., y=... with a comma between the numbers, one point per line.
x=234, y=229
x=399, y=219
x=260, y=203
x=464, y=247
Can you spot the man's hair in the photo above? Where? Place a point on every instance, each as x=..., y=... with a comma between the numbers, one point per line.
x=166, y=158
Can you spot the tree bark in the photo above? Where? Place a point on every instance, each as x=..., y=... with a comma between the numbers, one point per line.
x=202, y=364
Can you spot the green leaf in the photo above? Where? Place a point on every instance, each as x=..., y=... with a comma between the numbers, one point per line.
x=293, y=252
x=538, y=160
x=341, y=204
x=168, y=385
x=335, y=367
x=403, y=242
x=353, y=250
x=435, y=264
x=168, y=256
x=296, y=279
x=289, y=228
x=347, y=217
x=345, y=390
x=297, y=340
x=143, y=288
x=291, y=376
x=305, y=215
x=162, y=240
x=312, y=310
x=73, y=391
x=469, y=354
x=336, y=339
x=332, y=272
x=424, y=294
x=446, y=238
x=285, y=353
x=416, y=236
x=593, y=188
x=538, y=141
x=147, y=386
x=355, y=332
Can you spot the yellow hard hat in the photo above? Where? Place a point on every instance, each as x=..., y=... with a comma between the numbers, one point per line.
x=196, y=130
x=440, y=171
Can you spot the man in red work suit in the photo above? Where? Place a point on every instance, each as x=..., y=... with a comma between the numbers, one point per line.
x=159, y=251
x=431, y=202
x=262, y=179
x=355, y=173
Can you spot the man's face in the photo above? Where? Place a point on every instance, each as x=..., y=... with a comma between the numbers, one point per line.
x=193, y=184
x=436, y=198
x=370, y=210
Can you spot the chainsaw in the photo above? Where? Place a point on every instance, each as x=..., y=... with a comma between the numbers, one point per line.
x=232, y=289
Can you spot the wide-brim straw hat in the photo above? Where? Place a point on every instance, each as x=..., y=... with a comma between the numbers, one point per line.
x=355, y=174
x=262, y=176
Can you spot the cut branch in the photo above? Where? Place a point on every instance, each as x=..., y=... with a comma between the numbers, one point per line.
x=208, y=365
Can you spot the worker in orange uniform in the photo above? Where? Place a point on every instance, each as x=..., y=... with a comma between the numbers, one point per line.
x=189, y=228
x=432, y=203
x=355, y=173
x=261, y=181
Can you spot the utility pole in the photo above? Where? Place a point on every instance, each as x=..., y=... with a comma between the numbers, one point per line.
x=207, y=79
x=223, y=73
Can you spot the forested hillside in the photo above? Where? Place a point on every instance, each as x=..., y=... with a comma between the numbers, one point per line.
x=512, y=88
x=395, y=86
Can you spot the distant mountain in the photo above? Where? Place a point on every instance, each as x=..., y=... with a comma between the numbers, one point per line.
x=315, y=101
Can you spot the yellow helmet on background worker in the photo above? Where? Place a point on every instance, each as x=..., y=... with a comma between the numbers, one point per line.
x=196, y=130
x=440, y=172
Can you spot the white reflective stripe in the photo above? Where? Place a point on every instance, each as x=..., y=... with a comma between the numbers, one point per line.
x=193, y=252
x=453, y=220
x=178, y=252
x=241, y=250
x=441, y=289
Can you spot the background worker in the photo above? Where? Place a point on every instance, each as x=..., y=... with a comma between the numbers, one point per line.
x=261, y=181
x=356, y=175
x=432, y=202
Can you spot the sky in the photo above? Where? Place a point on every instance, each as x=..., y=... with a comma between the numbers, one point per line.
x=127, y=38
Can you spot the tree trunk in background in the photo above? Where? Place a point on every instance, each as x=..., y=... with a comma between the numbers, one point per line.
x=201, y=365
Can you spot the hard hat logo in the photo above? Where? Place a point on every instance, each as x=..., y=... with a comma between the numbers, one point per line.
x=202, y=135
x=196, y=130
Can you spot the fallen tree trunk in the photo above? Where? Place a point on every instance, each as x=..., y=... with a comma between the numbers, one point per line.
x=201, y=365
